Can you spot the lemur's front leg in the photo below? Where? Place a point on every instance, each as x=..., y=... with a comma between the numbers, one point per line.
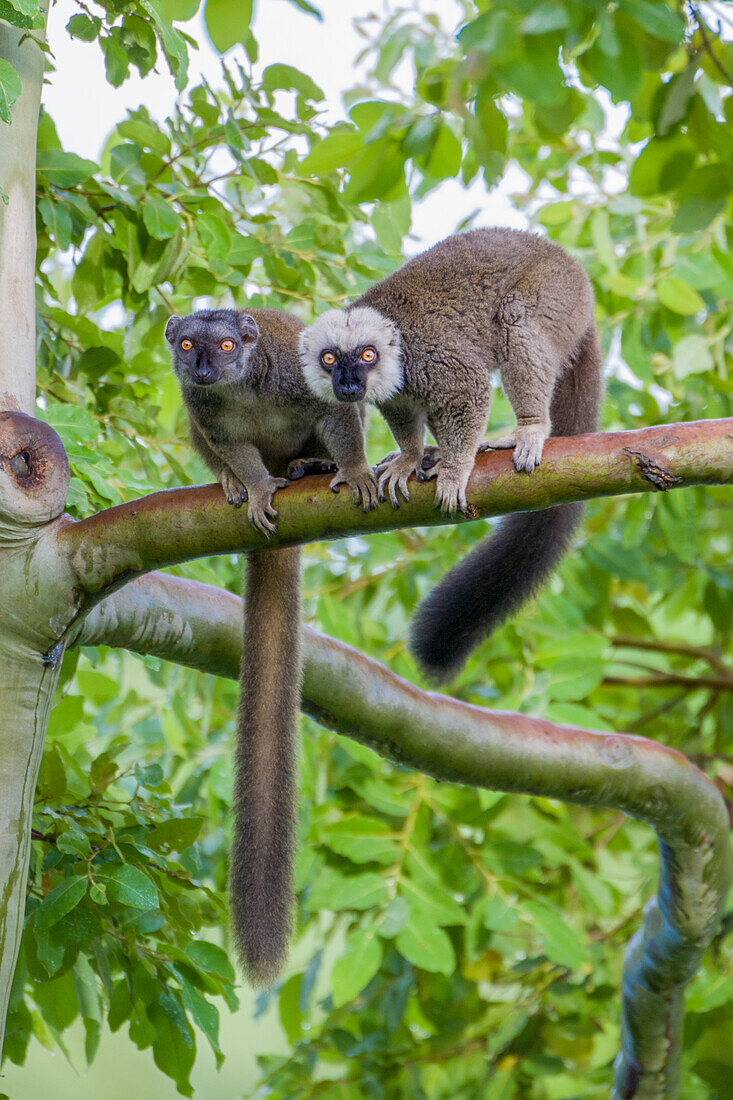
x=458, y=430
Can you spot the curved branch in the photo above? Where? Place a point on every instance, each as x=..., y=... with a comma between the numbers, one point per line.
x=345, y=691
x=110, y=548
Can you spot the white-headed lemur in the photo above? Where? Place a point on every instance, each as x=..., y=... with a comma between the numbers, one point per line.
x=422, y=345
x=250, y=415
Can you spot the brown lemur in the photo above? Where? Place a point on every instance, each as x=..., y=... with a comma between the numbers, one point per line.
x=250, y=414
x=422, y=345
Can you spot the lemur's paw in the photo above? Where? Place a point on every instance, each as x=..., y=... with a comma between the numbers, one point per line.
x=261, y=510
x=527, y=441
x=299, y=467
x=362, y=485
x=431, y=455
x=234, y=490
x=450, y=491
x=394, y=474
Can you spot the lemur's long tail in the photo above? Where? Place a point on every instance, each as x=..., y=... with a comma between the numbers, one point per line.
x=508, y=567
x=264, y=804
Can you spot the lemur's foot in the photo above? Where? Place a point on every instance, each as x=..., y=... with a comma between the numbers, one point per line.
x=234, y=490
x=393, y=474
x=300, y=467
x=262, y=511
x=527, y=441
x=362, y=485
x=450, y=492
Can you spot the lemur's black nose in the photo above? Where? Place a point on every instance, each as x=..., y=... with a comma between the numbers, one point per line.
x=202, y=372
x=350, y=391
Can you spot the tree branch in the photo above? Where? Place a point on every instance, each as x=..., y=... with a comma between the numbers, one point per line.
x=110, y=548
x=345, y=691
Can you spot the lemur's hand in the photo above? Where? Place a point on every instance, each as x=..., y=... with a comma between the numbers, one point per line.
x=261, y=510
x=361, y=482
x=394, y=472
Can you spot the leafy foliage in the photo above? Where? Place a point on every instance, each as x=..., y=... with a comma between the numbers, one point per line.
x=454, y=929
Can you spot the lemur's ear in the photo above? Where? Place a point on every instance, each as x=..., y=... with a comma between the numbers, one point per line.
x=248, y=328
x=171, y=328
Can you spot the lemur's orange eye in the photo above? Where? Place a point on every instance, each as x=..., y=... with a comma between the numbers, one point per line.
x=368, y=355
x=227, y=345
x=328, y=359
x=186, y=345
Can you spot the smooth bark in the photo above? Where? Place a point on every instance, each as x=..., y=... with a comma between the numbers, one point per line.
x=200, y=626
x=117, y=544
x=18, y=225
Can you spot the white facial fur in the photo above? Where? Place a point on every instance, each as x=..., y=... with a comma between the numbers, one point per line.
x=347, y=329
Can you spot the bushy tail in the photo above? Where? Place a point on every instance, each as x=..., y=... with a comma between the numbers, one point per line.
x=261, y=859
x=507, y=568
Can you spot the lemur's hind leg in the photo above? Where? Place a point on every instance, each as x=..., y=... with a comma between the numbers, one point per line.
x=537, y=336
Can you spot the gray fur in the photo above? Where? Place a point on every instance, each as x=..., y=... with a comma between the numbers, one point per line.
x=250, y=415
x=480, y=301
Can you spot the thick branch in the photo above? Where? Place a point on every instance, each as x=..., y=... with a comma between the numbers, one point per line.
x=201, y=626
x=111, y=547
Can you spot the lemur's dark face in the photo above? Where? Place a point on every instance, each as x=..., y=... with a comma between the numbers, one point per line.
x=349, y=370
x=211, y=345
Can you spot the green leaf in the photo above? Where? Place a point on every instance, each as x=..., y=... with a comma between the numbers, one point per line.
x=10, y=88
x=361, y=839
x=444, y=160
x=74, y=841
x=679, y=296
x=497, y=915
x=288, y=78
x=64, y=169
x=560, y=941
x=128, y=885
x=61, y=900
x=308, y=8
x=339, y=149
x=210, y=957
x=549, y=16
x=426, y=945
x=355, y=968
x=205, y=1015
x=691, y=355
x=179, y=11
x=378, y=173
x=84, y=27
x=656, y=18
x=150, y=775
x=433, y=900
x=176, y=834
x=174, y=1046
x=57, y=220
x=332, y=890
x=214, y=235
x=227, y=22
x=26, y=7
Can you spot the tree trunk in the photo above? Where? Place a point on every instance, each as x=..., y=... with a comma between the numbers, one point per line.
x=18, y=226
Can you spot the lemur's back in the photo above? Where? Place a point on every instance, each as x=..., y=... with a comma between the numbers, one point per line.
x=479, y=265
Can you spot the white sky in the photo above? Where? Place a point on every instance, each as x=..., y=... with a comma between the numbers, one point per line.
x=85, y=107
